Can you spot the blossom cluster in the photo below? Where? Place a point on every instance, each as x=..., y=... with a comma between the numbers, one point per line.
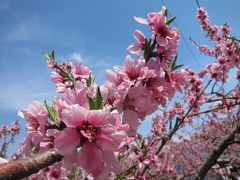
x=7, y=136
x=141, y=85
x=88, y=124
x=225, y=51
x=95, y=128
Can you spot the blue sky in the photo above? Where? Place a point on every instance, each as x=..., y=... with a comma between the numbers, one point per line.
x=94, y=32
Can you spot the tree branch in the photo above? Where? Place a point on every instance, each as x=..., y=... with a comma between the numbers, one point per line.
x=178, y=125
x=25, y=167
x=215, y=154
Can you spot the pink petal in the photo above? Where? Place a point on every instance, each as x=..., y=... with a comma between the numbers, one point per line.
x=111, y=76
x=135, y=92
x=70, y=161
x=130, y=117
x=90, y=159
x=67, y=141
x=141, y=20
x=81, y=97
x=37, y=137
x=162, y=41
x=163, y=10
x=106, y=142
x=97, y=117
x=135, y=48
x=139, y=36
x=74, y=115
x=110, y=139
x=76, y=97
x=111, y=161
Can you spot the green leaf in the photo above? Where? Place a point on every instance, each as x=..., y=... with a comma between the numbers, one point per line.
x=146, y=44
x=174, y=62
x=99, y=100
x=112, y=108
x=166, y=13
x=176, y=67
x=70, y=76
x=34, y=148
x=91, y=103
x=52, y=113
x=144, y=151
x=138, y=143
x=49, y=110
x=147, y=49
x=170, y=20
x=90, y=80
x=48, y=55
x=75, y=173
x=53, y=56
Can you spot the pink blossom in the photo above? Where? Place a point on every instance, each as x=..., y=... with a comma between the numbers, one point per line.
x=139, y=45
x=37, y=118
x=36, y=115
x=80, y=71
x=94, y=131
x=137, y=104
x=77, y=96
x=15, y=128
x=51, y=63
x=133, y=70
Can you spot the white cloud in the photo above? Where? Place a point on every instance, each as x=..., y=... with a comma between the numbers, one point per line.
x=75, y=57
x=102, y=61
x=4, y=5
x=20, y=101
x=97, y=63
x=27, y=30
x=18, y=95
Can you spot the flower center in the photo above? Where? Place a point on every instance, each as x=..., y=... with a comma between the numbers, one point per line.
x=163, y=31
x=89, y=133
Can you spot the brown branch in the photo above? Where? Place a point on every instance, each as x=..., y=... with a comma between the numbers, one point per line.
x=215, y=154
x=25, y=167
x=212, y=110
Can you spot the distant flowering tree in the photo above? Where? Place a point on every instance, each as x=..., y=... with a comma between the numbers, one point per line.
x=7, y=137
x=91, y=131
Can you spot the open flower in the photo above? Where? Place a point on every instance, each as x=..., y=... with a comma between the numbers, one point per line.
x=36, y=115
x=93, y=131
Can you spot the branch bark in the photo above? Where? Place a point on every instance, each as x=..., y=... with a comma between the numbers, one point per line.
x=215, y=154
x=22, y=168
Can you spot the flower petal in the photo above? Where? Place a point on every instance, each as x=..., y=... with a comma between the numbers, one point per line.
x=135, y=48
x=141, y=20
x=74, y=115
x=90, y=159
x=130, y=117
x=96, y=117
x=139, y=36
x=67, y=141
x=109, y=138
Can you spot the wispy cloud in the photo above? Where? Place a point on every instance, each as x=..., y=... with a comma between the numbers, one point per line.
x=18, y=95
x=18, y=102
x=97, y=63
x=75, y=57
x=4, y=5
x=94, y=61
x=26, y=30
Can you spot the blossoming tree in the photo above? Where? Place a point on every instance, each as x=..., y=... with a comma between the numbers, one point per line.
x=91, y=131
